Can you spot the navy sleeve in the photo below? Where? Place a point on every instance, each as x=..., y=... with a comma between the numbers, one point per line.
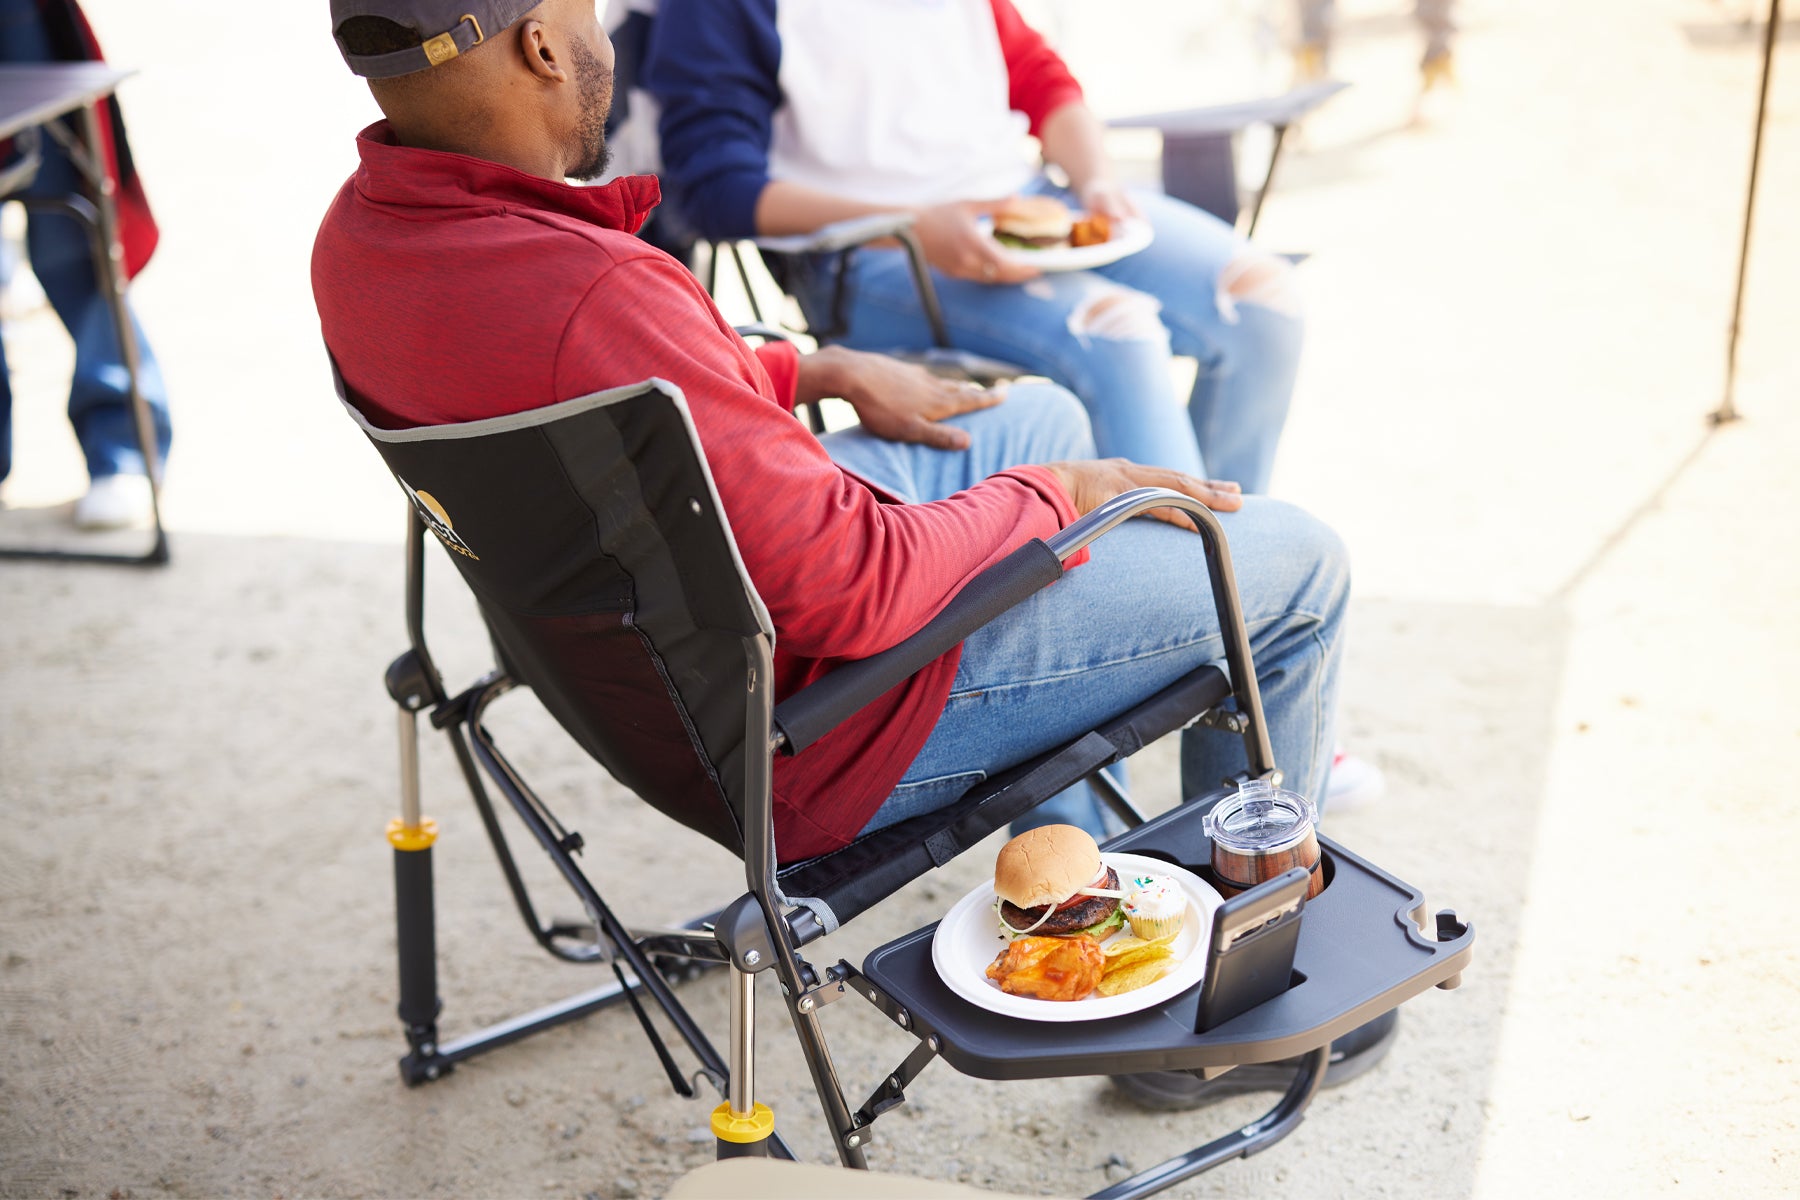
x=713, y=66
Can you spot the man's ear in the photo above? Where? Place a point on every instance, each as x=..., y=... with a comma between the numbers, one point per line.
x=540, y=57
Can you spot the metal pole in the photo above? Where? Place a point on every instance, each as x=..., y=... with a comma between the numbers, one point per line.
x=742, y=1084
x=112, y=272
x=1727, y=410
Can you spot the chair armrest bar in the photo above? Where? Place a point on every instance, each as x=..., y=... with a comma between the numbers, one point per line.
x=1280, y=110
x=763, y=330
x=1126, y=505
x=839, y=235
x=814, y=711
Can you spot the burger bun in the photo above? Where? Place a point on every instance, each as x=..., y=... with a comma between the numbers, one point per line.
x=1037, y=220
x=1046, y=865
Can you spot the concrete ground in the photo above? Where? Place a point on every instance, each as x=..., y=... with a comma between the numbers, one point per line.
x=1574, y=656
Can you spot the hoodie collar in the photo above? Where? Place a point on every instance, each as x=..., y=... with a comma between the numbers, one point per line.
x=403, y=175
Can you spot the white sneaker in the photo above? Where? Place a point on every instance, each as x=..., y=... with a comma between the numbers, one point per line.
x=1354, y=783
x=115, y=502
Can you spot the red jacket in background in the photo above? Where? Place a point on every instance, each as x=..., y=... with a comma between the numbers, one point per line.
x=73, y=40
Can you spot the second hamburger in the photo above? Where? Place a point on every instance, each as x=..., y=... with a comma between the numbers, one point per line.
x=1050, y=882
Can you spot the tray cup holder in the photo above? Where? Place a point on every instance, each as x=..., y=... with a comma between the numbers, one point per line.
x=1204, y=868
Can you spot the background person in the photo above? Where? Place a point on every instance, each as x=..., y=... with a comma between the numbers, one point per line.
x=118, y=495
x=1318, y=27
x=780, y=118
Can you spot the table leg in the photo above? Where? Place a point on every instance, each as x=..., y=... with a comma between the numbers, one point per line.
x=110, y=270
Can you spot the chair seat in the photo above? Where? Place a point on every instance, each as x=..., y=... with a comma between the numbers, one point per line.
x=850, y=880
x=1360, y=954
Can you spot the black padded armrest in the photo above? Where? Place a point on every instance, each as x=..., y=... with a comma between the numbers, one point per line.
x=814, y=711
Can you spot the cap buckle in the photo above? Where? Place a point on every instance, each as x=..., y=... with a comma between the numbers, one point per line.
x=442, y=48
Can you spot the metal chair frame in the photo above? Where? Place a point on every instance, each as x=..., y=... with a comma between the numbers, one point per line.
x=763, y=930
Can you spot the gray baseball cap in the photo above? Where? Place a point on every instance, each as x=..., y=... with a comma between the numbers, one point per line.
x=446, y=28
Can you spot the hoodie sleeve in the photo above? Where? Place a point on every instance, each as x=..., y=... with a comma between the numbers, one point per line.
x=714, y=69
x=1038, y=82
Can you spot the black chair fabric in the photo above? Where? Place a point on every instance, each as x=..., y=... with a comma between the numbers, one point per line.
x=592, y=538
x=594, y=543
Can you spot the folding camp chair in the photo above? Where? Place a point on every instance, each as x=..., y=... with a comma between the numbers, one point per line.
x=593, y=540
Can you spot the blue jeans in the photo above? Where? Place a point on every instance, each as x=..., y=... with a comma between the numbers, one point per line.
x=1133, y=620
x=99, y=394
x=1177, y=300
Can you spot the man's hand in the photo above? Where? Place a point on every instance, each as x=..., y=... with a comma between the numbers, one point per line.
x=899, y=401
x=1093, y=482
x=956, y=245
x=1106, y=196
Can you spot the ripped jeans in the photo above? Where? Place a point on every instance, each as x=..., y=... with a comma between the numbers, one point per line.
x=1107, y=335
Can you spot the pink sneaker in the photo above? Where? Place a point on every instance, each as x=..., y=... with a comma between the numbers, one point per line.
x=1354, y=783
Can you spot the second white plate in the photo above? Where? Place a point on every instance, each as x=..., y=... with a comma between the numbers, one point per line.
x=1128, y=237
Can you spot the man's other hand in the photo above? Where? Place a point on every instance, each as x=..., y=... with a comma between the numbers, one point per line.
x=1093, y=482
x=896, y=400
x=956, y=245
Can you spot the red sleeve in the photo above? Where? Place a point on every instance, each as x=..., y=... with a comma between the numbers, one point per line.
x=1038, y=81
x=782, y=361
x=843, y=574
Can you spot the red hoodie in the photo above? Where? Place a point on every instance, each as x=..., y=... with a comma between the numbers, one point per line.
x=453, y=289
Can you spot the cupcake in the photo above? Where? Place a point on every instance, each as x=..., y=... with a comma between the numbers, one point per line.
x=1154, y=906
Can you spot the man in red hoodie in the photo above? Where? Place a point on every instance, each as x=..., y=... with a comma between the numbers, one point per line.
x=459, y=277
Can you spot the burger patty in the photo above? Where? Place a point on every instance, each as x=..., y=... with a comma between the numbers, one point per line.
x=1084, y=911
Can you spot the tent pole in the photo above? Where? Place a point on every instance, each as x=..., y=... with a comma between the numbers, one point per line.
x=1727, y=410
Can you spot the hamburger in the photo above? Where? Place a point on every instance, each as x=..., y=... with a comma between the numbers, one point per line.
x=1033, y=223
x=1050, y=882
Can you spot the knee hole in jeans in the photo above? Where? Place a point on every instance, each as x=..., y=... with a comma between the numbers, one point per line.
x=1118, y=314
x=1254, y=277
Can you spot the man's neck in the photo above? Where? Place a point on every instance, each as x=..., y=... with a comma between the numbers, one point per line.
x=522, y=149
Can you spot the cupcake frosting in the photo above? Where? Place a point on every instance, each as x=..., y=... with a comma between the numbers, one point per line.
x=1154, y=898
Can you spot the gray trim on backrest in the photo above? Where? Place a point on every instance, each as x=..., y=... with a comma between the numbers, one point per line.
x=533, y=417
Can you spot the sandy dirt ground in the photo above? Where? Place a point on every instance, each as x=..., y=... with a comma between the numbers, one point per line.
x=1574, y=656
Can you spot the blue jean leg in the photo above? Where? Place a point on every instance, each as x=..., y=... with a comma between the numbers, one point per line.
x=1038, y=423
x=1112, y=632
x=1132, y=621
x=1247, y=351
x=1247, y=344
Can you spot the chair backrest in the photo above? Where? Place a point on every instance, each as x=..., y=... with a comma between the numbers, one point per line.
x=595, y=544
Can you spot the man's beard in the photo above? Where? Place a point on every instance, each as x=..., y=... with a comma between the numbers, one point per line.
x=595, y=86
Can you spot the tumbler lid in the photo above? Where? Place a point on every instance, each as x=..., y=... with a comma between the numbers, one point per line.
x=1260, y=819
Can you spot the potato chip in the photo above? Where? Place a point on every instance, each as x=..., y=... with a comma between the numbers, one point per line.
x=1144, y=952
x=1128, y=943
x=1115, y=983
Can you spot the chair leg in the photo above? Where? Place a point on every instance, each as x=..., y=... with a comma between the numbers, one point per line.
x=741, y=1126
x=411, y=836
x=1251, y=1139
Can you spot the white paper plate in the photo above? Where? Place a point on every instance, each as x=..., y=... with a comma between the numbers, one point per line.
x=1128, y=237
x=969, y=938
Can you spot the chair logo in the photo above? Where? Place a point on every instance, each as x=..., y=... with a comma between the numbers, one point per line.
x=438, y=520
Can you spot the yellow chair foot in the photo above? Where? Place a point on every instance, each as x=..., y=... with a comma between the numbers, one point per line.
x=742, y=1128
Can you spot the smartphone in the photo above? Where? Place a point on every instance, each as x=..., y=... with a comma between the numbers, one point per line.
x=1250, y=957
